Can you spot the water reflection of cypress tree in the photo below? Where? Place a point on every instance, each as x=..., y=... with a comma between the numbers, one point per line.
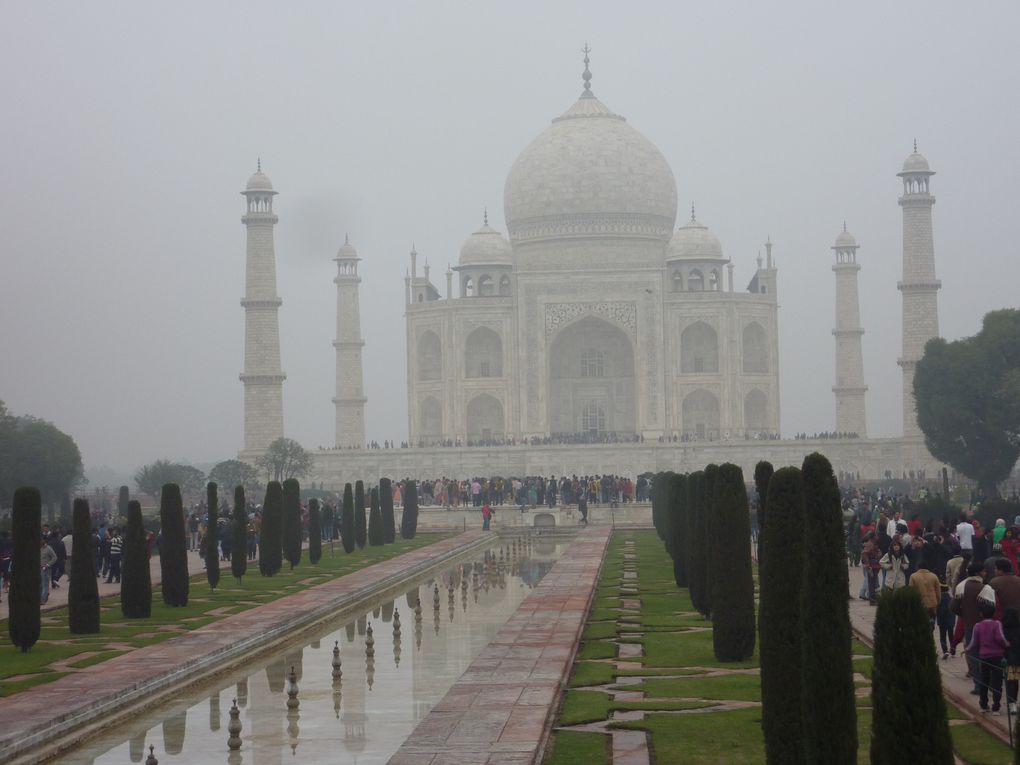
x=412, y=598
x=174, y=729
x=349, y=629
x=136, y=744
x=214, y=712
x=387, y=611
x=276, y=676
x=295, y=660
x=242, y=693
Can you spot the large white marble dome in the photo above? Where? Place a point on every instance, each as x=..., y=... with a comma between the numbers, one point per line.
x=589, y=173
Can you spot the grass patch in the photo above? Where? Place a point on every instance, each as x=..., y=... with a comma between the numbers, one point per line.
x=17, y=686
x=978, y=747
x=733, y=737
x=576, y=748
x=584, y=707
x=97, y=659
x=736, y=687
x=692, y=649
x=596, y=649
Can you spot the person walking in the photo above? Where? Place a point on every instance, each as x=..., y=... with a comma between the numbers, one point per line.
x=970, y=598
x=1011, y=629
x=486, y=516
x=871, y=564
x=925, y=582
x=116, y=551
x=895, y=564
x=988, y=643
x=46, y=560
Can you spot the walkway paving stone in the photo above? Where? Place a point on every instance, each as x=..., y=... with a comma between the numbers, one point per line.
x=97, y=691
x=528, y=661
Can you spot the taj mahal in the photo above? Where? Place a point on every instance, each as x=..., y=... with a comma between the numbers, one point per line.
x=594, y=335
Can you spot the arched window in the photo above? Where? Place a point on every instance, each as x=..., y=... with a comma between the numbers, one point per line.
x=678, y=281
x=484, y=418
x=593, y=418
x=469, y=287
x=593, y=363
x=430, y=356
x=701, y=416
x=695, y=281
x=483, y=354
x=486, y=287
x=699, y=350
x=430, y=418
x=755, y=349
x=756, y=412
x=504, y=286
x=713, y=280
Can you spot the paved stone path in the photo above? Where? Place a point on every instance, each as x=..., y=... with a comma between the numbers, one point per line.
x=97, y=693
x=499, y=711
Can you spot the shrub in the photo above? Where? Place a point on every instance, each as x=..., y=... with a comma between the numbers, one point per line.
x=658, y=490
x=697, y=581
x=909, y=721
x=173, y=549
x=360, y=522
x=409, y=521
x=780, y=575
x=136, y=587
x=763, y=472
x=314, y=532
x=676, y=527
x=24, y=622
x=239, y=536
x=733, y=588
x=270, y=538
x=347, y=519
x=292, y=521
x=123, y=497
x=389, y=525
x=375, y=530
x=829, y=713
x=212, y=542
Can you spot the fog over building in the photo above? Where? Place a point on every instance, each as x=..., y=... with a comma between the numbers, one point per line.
x=596, y=335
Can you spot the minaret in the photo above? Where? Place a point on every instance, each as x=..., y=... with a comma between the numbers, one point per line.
x=350, y=391
x=262, y=377
x=919, y=286
x=849, y=387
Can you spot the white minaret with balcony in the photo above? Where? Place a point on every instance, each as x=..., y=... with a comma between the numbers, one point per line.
x=262, y=376
x=849, y=388
x=919, y=285
x=350, y=391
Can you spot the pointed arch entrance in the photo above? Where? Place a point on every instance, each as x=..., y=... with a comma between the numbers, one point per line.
x=592, y=388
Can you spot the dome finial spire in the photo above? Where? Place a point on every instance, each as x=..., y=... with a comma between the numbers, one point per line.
x=692, y=213
x=347, y=238
x=258, y=166
x=915, y=146
x=485, y=215
x=844, y=225
x=586, y=75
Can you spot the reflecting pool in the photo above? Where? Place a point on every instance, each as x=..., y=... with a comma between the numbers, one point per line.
x=397, y=660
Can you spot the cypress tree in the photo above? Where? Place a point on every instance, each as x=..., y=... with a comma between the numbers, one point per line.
x=360, y=522
x=732, y=589
x=705, y=535
x=173, y=549
x=677, y=528
x=829, y=713
x=409, y=521
x=347, y=519
x=270, y=542
x=375, y=531
x=314, y=532
x=780, y=576
x=389, y=526
x=136, y=590
x=24, y=622
x=82, y=589
x=212, y=542
x=123, y=497
x=658, y=488
x=239, y=538
x=909, y=711
x=762, y=475
x=292, y=521
x=696, y=580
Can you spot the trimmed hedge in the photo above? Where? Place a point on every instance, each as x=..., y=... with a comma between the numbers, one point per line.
x=136, y=578
x=239, y=535
x=733, y=585
x=360, y=521
x=292, y=521
x=271, y=533
x=347, y=519
x=314, y=532
x=389, y=526
x=375, y=529
x=212, y=542
x=409, y=521
x=24, y=622
x=173, y=550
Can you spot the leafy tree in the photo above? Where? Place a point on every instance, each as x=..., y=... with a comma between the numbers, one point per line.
x=173, y=550
x=212, y=542
x=24, y=622
x=123, y=497
x=829, y=713
x=389, y=525
x=968, y=400
x=236, y=473
x=733, y=588
x=697, y=581
x=35, y=452
x=271, y=533
x=292, y=521
x=409, y=521
x=780, y=575
x=151, y=478
x=239, y=540
x=360, y=527
x=347, y=519
x=375, y=530
x=136, y=590
x=762, y=475
x=909, y=721
x=285, y=458
x=314, y=532
x=676, y=523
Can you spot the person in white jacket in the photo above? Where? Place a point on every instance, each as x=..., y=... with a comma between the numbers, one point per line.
x=895, y=563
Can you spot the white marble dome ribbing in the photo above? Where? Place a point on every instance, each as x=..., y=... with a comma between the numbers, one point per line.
x=845, y=240
x=589, y=173
x=486, y=247
x=694, y=241
x=259, y=181
x=916, y=163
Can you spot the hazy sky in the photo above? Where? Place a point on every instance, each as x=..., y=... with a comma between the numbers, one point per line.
x=129, y=129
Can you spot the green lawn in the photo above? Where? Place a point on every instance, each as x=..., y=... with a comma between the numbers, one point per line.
x=676, y=664
x=21, y=671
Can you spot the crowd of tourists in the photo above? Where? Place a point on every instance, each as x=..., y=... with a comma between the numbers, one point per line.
x=967, y=579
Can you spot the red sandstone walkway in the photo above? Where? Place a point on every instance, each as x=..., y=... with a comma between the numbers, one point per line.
x=96, y=692
x=499, y=712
